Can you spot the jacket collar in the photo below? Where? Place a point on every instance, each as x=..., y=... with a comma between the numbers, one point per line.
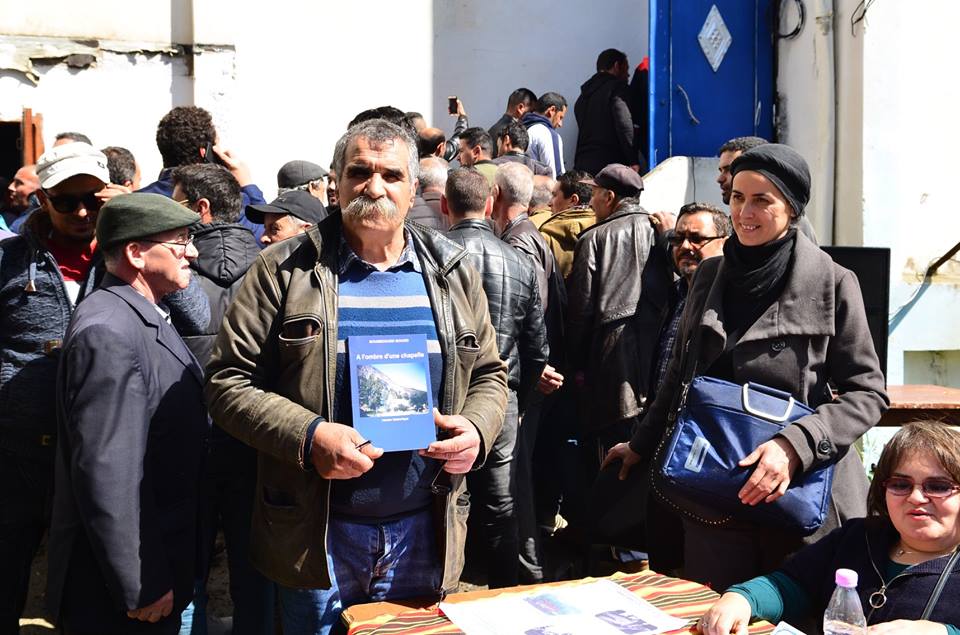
x=519, y=218
x=624, y=209
x=432, y=247
x=806, y=306
x=166, y=335
x=482, y=224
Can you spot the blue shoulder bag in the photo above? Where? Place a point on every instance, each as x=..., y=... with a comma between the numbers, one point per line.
x=717, y=424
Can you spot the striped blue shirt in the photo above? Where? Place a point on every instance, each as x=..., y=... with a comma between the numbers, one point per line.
x=390, y=302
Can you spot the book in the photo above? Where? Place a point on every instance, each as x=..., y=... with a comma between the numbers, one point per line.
x=390, y=390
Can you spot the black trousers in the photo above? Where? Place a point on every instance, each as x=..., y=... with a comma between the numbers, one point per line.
x=26, y=494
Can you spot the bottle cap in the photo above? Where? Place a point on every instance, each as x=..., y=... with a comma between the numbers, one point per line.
x=846, y=578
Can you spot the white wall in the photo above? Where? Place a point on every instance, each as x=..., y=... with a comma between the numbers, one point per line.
x=910, y=136
x=485, y=50
x=292, y=74
x=895, y=138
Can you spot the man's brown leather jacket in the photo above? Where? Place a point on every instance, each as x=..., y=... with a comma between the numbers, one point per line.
x=272, y=374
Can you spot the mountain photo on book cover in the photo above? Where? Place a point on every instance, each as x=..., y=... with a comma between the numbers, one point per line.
x=391, y=390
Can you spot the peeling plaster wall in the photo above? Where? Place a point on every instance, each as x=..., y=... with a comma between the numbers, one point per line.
x=282, y=79
x=116, y=102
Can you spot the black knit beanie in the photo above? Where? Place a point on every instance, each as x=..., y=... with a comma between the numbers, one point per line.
x=785, y=168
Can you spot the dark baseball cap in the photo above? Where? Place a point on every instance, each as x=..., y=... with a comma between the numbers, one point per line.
x=619, y=178
x=295, y=202
x=296, y=173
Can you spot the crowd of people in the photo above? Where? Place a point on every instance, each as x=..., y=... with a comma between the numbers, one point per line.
x=174, y=363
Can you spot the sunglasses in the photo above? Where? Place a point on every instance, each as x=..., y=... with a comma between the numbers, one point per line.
x=931, y=487
x=676, y=239
x=68, y=203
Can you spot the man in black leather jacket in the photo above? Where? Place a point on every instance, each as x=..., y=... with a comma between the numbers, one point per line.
x=618, y=292
x=226, y=250
x=515, y=310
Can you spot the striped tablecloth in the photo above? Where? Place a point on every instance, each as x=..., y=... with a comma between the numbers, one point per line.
x=679, y=598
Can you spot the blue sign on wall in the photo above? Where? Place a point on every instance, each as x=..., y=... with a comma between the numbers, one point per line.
x=711, y=75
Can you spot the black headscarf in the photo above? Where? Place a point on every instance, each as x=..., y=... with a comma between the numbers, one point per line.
x=783, y=166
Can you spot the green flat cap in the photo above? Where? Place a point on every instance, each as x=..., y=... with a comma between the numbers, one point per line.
x=130, y=216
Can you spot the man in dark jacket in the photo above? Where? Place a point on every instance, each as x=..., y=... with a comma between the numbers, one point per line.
x=186, y=135
x=602, y=110
x=512, y=296
x=44, y=272
x=511, y=146
x=618, y=291
x=225, y=251
x=131, y=434
x=518, y=103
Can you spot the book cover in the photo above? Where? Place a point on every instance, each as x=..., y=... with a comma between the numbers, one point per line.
x=390, y=391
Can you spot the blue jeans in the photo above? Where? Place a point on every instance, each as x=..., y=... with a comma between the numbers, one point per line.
x=368, y=563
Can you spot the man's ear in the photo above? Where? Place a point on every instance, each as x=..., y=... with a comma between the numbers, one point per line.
x=488, y=207
x=443, y=205
x=575, y=200
x=133, y=254
x=203, y=208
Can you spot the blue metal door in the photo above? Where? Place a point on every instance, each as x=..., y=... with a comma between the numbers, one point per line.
x=711, y=74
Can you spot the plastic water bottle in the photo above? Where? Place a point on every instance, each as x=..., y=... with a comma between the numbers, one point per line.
x=844, y=614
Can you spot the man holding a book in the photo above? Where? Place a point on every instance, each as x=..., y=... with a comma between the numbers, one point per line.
x=342, y=517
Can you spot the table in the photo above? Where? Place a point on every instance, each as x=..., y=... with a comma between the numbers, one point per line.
x=680, y=598
x=921, y=401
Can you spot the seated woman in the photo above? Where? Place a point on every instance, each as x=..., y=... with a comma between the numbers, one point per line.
x=900, y=550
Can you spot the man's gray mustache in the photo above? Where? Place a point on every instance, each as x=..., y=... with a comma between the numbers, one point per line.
x=365, y=207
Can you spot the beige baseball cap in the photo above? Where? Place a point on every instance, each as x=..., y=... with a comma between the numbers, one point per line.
x=60, y=163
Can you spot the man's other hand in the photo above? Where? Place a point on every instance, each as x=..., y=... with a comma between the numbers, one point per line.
x=335, y=455
x=155, y=611
x=663, y=222
x=550, y=380
x=461, y=447
x=237, y=168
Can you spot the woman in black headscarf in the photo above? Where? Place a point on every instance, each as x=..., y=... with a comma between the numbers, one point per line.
x=774, y=310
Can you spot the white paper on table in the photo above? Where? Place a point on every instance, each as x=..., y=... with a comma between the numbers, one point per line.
x=598, y=608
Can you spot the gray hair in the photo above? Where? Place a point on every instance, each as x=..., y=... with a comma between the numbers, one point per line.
x=303, y=187
x=433, y=172
x=377, y=132
x=515, y=181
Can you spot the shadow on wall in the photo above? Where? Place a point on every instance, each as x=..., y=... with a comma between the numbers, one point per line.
x=484, y=50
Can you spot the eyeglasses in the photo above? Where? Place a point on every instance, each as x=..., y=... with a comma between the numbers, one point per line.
x=184, y=242
x=676, y=239
x=68, y=203
x=931, y=487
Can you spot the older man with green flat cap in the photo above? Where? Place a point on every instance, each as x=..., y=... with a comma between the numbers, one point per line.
x=131, y=434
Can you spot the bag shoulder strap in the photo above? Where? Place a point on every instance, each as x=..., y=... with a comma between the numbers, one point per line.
x=942, y=582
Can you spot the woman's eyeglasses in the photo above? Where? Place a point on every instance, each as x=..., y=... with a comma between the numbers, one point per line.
x=68, y=203
x=676, y=239
x=931, y=487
